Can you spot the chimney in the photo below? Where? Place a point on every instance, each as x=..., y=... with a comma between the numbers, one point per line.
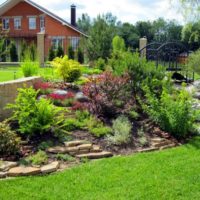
x=73, y=15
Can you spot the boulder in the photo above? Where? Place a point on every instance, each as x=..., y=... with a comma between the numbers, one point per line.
x=52, y=167
x=81, y=97
x=60, y=92
x=3, y=174
x=5, y=165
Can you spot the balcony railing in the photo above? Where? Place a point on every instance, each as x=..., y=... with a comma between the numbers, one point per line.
x=21, y=34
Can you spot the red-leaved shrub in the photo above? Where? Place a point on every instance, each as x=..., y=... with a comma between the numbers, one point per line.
x=108, y=95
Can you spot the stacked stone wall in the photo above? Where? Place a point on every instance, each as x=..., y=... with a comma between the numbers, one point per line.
x=9, y=91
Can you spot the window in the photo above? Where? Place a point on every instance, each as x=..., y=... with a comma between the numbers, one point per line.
x=74, y=42
x=5, y=23
x=32, y=23
x=56, y=42
x=42, y=23
x=17, y=23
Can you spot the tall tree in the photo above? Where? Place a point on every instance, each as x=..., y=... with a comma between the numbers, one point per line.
x=130, y=35
x=84, y=23
x=99, y=43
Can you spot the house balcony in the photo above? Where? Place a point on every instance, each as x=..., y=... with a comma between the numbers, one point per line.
x=21, y=34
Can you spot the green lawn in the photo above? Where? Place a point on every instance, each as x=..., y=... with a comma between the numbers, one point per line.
x=170, y=174
x=11, y=73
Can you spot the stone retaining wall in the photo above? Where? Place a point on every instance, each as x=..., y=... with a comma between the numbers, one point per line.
x=8, y=93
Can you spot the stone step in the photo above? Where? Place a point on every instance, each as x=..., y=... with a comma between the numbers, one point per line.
x=163, y=143
x=96, y=149
x=76, y=143
x=52, y=167
x=157, y=139
x=6, y=165
x=57, y=149
x=148, y=150
x=168, y=146
x=102, y=154
x=23, y=171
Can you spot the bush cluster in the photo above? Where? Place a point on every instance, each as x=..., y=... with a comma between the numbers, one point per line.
x=68, y=70
x=9, y=141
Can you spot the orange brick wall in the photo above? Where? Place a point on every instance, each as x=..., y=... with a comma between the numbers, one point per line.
x=52, y=26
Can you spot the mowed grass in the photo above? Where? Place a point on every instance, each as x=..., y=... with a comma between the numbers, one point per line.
x=12, y=73
x=170, y=174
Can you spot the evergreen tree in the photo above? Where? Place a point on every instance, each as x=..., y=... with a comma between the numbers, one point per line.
x=13, y=53
x=71, y=53
x=80, y=56
x=59, y=52
x=51, y=54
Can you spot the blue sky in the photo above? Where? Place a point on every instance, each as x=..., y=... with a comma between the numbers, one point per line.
x=126, y=10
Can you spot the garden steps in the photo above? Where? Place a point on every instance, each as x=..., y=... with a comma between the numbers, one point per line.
x=162, y=143
x=81, y=149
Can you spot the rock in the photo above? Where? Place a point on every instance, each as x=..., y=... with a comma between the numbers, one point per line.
x=167, y=146
x=84, y=147
x=60, y=92
x=95, y=155
x=23, y=171
x=72, y=149
x=147, y=150
x=52, y=167
x=57, y=149
x=163, y=143
x=196, y=95
x=157, y=139
x=95, y=149
x=3, y=174
x=81, y=97
x=75, y=143
x=5, y=165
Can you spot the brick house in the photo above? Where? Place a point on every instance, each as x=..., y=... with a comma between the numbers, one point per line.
x=24, y=20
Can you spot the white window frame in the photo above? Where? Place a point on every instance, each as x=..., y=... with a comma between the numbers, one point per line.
x=17, y=23
x=5, y=23
x=42, y=23
x=56, y=42
x=32, y=24
x=74, y=42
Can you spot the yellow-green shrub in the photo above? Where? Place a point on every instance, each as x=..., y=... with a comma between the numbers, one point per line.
x=69, y=70
x=9, y=141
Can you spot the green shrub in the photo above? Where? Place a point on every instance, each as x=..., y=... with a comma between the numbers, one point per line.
x=122, y=131
x=69, y=70
x=9, y=141
x=194, y=61
x=100, y=131
x=172, y=110
x=30, y=68
x=80, y=56
x=40, y=158
x=34, y=116
x=71, y=53
x=100, y=64
x=142, y=138
x=133, y=114
x=13, y=53
x=59, y=52
x=65, y=157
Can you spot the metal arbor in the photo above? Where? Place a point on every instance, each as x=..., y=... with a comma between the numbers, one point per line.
x=172, y=55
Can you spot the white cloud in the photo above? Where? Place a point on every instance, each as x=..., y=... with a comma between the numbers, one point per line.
x=125, y=10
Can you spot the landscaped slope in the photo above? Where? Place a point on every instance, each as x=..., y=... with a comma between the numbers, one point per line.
x=170, y=174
